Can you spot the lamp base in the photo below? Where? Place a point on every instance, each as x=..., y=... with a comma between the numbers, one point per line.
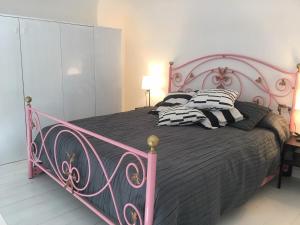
x=149, y=98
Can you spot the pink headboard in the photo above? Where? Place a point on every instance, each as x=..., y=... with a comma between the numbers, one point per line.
x=255, y=79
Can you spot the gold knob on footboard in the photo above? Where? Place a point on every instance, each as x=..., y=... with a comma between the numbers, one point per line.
x=153, y=143
x=28, y=100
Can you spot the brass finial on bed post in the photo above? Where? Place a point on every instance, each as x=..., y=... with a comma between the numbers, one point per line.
x=171, y=63
x=28, y=100
x=298, y=67
x=153, y=143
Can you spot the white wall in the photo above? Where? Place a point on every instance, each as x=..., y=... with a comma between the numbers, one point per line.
x=159, y=31
x=76, y=11
x=115, y=13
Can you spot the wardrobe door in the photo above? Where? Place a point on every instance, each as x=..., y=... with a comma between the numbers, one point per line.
x=12, y=116
x=41, y=56
x=78, y=71
x=108, y=70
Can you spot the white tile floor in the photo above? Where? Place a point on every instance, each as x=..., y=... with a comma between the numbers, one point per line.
x=2, y=221
x=23, y=202
x=270, y=206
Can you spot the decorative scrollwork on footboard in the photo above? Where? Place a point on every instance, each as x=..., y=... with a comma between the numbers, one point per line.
x=70, y=175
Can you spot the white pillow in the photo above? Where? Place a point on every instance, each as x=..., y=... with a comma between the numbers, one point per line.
x=213, y=99
x=215, y=119
x=180, y=116
x=171, y=100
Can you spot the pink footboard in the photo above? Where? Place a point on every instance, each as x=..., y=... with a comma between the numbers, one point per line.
x=68, y=176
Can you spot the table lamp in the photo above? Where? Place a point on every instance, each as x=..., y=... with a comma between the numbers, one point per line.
x=147, y=85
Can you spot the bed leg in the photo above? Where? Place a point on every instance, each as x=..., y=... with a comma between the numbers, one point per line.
x=151, y=180
x=29, y=135
x=30, y=170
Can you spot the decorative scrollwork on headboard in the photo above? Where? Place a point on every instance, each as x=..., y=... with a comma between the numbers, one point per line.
x=255, y=80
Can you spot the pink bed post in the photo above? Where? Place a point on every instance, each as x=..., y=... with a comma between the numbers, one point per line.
x=151, y=180
x=296, y=88
x=28, y=100
x=170, y=75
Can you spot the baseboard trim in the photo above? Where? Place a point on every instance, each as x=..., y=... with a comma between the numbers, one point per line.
x=12, y=163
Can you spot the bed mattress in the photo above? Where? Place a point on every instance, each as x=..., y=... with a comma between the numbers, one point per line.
x=200, y=173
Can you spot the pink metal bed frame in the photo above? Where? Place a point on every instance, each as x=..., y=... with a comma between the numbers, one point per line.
x=68, y=176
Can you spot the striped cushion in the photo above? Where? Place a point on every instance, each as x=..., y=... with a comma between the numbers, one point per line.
x=214, y=99
x=216, y=119
x=179, y=116
x=171, y=100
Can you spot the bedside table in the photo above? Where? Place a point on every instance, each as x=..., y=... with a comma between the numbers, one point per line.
x=289, y=157
x=143, y=107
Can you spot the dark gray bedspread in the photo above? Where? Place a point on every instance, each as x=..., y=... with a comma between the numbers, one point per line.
x=200, y=173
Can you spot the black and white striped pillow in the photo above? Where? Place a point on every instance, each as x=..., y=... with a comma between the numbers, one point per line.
x=214, y=99
x=171, y=100
x=180, y=116
x=220, y=118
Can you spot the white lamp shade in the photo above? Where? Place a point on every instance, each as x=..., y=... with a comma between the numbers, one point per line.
x=148, y=83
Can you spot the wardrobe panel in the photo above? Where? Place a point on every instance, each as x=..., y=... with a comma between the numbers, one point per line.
x=108, y=70
x=78, y=71
x=41, y=55
x=12, y=116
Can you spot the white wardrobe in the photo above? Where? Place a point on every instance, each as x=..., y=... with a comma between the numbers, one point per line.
x=12, y=120
x=71, y=72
